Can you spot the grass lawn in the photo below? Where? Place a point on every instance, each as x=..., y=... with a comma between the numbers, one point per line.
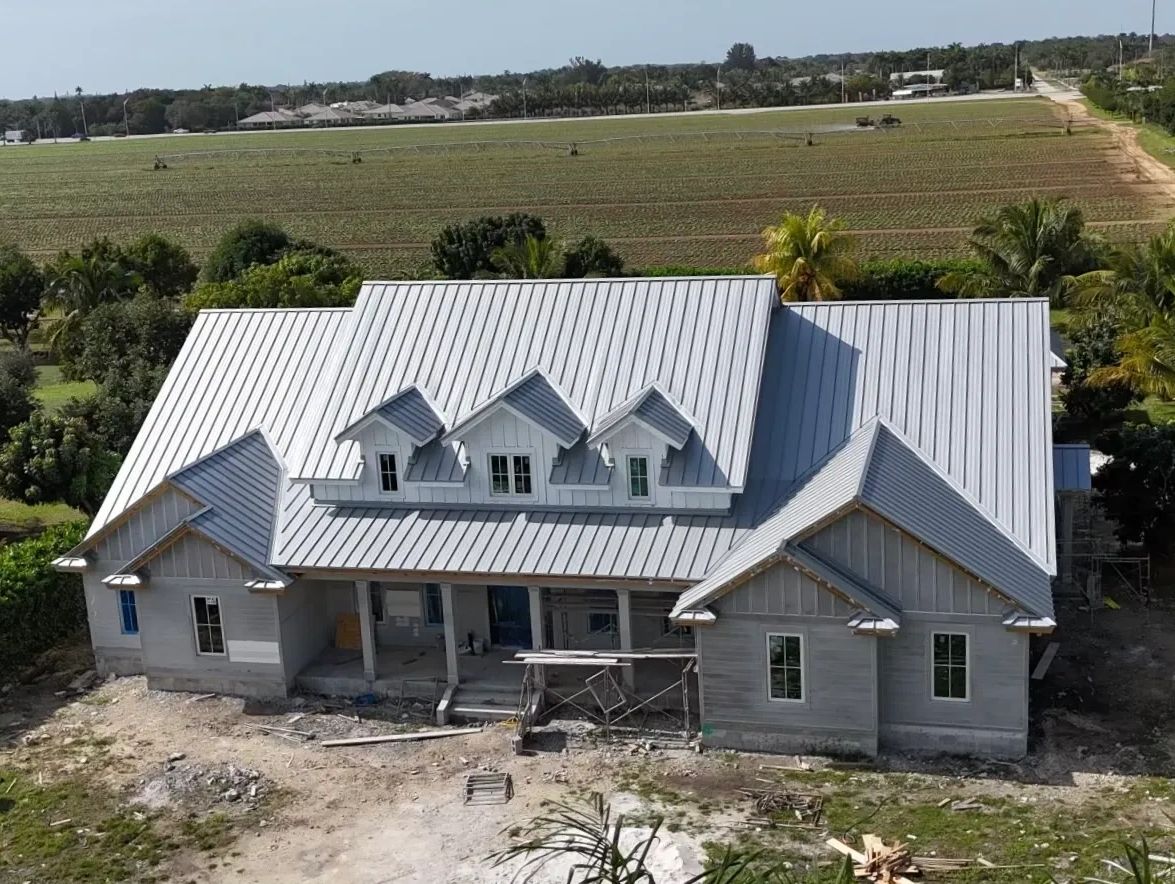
x=18, y=516
x=53, y=391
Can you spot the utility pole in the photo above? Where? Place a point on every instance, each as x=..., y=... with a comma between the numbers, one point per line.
x=1151, y=51
x=648, y=94
x=125, y=119
x=524, y=98
x=85, y=127
x=842, y=82
x=1121, y=54
x=719, y=93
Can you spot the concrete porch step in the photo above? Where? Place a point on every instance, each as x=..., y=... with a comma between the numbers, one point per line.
x=484, y=704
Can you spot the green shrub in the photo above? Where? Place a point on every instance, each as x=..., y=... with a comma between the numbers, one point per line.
x=38, y=606
x=904, y=279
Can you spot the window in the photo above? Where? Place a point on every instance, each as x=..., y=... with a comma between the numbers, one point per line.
x=389, y=480
x=128, y=611
x=638, y=477
x=603, y=622
x=949, y=678
x=209, y=628
x=785, y=667
x=510, y=474
x=375, y=592
x=434, y=608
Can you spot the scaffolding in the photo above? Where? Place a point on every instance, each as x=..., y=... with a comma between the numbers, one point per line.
x=1090, y=558
x=601, y=698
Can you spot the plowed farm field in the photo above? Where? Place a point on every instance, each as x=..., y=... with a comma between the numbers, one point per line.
x=687, y=190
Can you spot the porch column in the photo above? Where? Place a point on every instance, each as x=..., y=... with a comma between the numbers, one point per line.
x=450, y=631
x=624, y=621
x=366, y=627
x=537, y=630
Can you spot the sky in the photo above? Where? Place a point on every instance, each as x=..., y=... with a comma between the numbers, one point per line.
x=118, y=45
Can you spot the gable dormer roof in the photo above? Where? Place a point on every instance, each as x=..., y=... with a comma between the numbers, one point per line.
x=655, y=410
x=535, y=398
x=410, y=411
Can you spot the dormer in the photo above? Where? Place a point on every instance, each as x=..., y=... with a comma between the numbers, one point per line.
x=654, y=413
x=410, y=413
x=534, y=398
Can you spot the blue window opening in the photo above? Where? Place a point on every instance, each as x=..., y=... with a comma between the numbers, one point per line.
x=128, y=609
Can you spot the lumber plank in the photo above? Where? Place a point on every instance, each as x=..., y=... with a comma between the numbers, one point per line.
x=403, y=738
x=1046, y=660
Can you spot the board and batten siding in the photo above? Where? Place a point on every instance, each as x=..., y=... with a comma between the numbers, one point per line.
x=505, y=433
x=839, y=709
x=114, y=651
x=916, y=577
x=157, y=515
x=253, y=662
x=194, y=558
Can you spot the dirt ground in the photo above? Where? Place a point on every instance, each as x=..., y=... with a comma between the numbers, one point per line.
x=296, y=811
x=1145, y=166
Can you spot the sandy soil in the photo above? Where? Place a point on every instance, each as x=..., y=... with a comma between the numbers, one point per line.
x=1144, y=166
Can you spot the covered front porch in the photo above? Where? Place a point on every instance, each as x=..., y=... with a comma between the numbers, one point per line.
x=414, y=640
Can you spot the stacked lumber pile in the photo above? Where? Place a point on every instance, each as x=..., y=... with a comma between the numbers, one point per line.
x=891, y=864
x=808, y=809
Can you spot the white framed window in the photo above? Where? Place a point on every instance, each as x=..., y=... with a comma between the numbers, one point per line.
x=785, y=667
x=209, y=626
x=950, y=666
x=637, y=472
x=389, y=476
x=375, y=592
x=434, y=607
x=510, y=474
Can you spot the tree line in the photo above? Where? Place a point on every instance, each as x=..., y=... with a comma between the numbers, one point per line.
x=583, y=86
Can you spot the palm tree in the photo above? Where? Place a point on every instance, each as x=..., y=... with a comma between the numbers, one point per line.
x=1028, y=250
x=78, y=284
x=531, y=258
x=1137, y=291
x=809, y=255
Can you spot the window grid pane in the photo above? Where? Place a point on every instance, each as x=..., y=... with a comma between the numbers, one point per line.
x=638, y=477
x=786, y=669
x=499, y=474
x=209, y=630
x=129, y=611
x=389, y=481
x=521, y=474
x=949, y=679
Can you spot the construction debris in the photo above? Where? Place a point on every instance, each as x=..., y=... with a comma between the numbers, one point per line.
x=403, y=738
x=807, y=808
x=968, y=804
x=890, y=864
x=488, y=788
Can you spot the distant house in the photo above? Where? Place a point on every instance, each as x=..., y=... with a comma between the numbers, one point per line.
x=334, y=116
x=275, y=119
x=309, y=110
x=425, y=110
x=823, y=505
x=385, y=112
x=16, y=136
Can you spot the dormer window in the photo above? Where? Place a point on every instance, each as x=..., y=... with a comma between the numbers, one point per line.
x=389, y=478
x=510, y=474
x=638, y=477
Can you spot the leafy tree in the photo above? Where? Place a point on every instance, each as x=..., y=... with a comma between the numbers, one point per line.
x=247, y=244
x=1028, y=250
x=533, y=258
x=22, y=284
x=117, y=410
x=56, y=458
x=904, y=279
x=1137, y=485
x=165, y=268
x=39, y=607
x=17, y=377
x=300, y=279
x=584, y=70
x=465, y=251
x=116, y=336
x=809, y=255
x=1094, y=345
x=592, y=257
x=741, y=56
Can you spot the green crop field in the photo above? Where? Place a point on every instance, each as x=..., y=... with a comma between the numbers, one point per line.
x=692, y=190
